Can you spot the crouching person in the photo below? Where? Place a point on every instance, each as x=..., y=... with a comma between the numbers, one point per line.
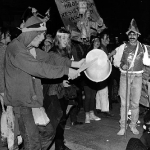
x=144, y=142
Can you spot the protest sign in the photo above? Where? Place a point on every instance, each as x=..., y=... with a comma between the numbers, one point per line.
x=69, y=13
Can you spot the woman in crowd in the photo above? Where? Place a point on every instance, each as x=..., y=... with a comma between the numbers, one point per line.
x=55, y=103
x=90, y=91
x=102, y=97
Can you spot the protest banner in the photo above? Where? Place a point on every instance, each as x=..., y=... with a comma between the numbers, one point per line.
x=69, y=13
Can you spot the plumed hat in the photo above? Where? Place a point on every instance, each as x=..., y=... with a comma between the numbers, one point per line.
x=32, y=21
x=133, y=27
x=34, y=24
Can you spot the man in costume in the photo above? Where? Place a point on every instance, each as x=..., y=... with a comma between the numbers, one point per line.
x=23, y=90
x=130, y=57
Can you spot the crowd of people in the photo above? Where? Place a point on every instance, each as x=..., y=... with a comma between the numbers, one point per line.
x=39, y=73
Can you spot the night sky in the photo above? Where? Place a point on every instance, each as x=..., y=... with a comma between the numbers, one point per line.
x=116, y=14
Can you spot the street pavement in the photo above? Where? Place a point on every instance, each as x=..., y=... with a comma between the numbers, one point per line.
x=98, y=135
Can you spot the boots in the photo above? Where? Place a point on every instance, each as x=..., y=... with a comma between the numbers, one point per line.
x=93, y=117
x=87, y=117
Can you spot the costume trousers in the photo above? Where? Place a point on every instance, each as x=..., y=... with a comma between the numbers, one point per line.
x=133, y=97
x=34, y=137
x=102, y=101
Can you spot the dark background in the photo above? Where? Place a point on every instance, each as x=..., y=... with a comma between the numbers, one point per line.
x=116, y=14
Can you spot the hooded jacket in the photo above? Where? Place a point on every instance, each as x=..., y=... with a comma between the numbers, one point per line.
x=20, y=68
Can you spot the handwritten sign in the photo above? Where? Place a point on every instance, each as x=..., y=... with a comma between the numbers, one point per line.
x=69, y=12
